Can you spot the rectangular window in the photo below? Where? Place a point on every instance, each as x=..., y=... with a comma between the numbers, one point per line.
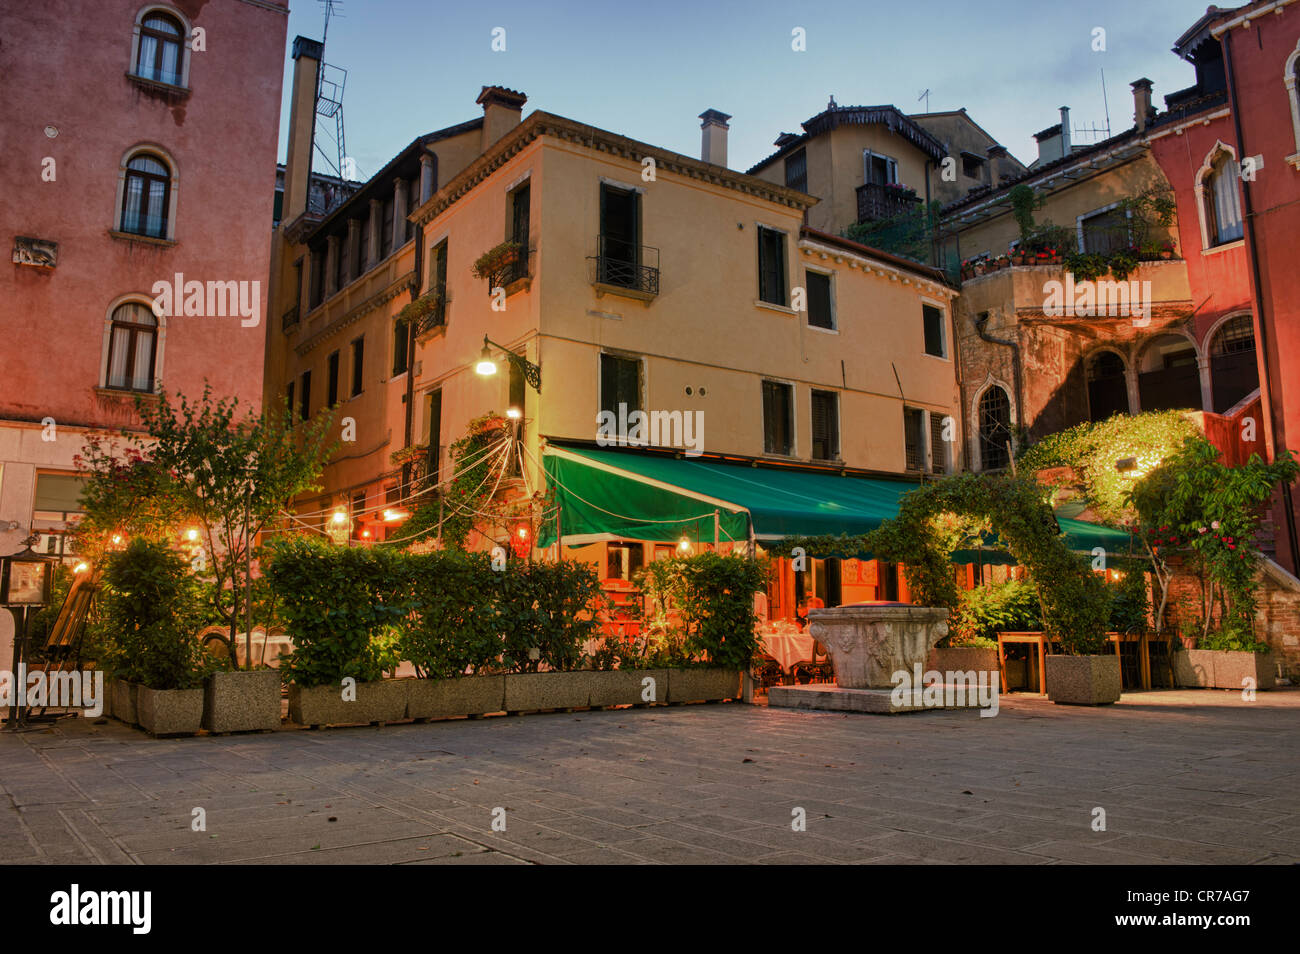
x=620, y=383
x=289, y=400
x=401, y=349
x=358, y=363
x=304, y=396
x=412, y=203
x=297, y=284
x=438, y=282
x=771, y=266
x=520, y=211
x=1104, y=232
x=796, y=170
x=938, y=445
x=932, y=318
x=386, y=229
x=825, y=425
x=972, y=167
x=778, y=418
x=363, y=247
x=620, y=236
x=332, y=379
x=879, y=170
x=914, y=438
x=433, y=433
x=341, y=263
x=819, y=300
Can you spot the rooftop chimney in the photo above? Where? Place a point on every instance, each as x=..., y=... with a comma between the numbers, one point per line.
x=1065, y=130
x=995, y=153
x=502, y=109
x=1143, y=111
x=1054, y=141
x=302, y=127
x=713, y=140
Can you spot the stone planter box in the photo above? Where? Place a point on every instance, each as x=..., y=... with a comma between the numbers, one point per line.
x=242, y=701
x=170, y=711
x=1231, y=668
x=625, y=687
x=703, y=685
x=1194, y=668
x=527, y=691
x=1083, y=680
x=442, y=698
x=124, y=696
x=1216, y=669
x=380, y=701
x=964, y=659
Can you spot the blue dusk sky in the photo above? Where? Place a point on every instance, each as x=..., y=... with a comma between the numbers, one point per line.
x=647, y=70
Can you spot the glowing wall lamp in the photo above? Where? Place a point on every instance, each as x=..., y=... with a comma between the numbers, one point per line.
x=487, y=365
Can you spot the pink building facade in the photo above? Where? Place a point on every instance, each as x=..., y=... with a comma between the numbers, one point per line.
x=140, y=144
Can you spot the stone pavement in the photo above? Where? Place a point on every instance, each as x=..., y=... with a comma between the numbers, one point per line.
x=1184, y=777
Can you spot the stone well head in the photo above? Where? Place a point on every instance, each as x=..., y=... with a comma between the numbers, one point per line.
x=869, y=642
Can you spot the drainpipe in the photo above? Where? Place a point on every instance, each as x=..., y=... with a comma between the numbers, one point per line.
x=1248, y=214
x=980, y=324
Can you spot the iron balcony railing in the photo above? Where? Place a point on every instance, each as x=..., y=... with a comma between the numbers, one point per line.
x=876, y=202
x=624, y=265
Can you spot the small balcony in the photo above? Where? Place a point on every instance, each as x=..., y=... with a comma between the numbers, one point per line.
x=877, y=202
x=289, y=319
x=625, y=269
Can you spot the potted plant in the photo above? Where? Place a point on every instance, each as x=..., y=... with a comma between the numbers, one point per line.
x=1167, y=249
x=496, y=264
x=151, y=612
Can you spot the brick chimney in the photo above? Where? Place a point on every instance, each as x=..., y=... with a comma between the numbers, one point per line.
x=995, y=153
x=302, y=127
x=713, y=140
x=502, y=110
x=1143, y=111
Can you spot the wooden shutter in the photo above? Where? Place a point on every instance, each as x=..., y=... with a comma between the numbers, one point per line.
x=938, y=446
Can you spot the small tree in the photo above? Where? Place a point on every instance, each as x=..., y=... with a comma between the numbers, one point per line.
x=1194, y=506
x=214, y=463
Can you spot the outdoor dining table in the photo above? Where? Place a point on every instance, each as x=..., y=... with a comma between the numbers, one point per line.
x=787, y=645
x=1039, y=640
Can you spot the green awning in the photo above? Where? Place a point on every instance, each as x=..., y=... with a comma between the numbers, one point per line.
x=610, y=494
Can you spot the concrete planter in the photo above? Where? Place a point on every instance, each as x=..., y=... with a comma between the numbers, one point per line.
x=443, y=698
x=170, y=711
x=963, y=659
x=380, y=701
x=1231, y=669
x=703, y=685
x=1219, y=669
x=1194, y=668
x=1083, y=680
x=626, y=687
x=242, y=701
x=527, y=691
x=124, y=695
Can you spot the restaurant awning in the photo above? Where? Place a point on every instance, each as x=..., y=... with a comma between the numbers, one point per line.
x=611, y=494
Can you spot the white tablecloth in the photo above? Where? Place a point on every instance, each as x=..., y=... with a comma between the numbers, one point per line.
x=787, y=646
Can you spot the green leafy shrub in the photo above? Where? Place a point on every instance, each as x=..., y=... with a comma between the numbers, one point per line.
x=452, y=625
x=703, y=605
x=546, y=612
x=1130, y=603
x=338, y=605
x=1093, y=450
x=151, y=610
x=985, y=611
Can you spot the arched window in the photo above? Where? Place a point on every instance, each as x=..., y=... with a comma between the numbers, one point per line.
x=132, y=348
x=994, y=428
x=1233, y=372
x=146, y=196
x=160, y=52
x=1222, y=201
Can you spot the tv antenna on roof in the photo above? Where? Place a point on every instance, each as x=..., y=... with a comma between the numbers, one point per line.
x=332, y=8
x=330, y=84
x=925, y=95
